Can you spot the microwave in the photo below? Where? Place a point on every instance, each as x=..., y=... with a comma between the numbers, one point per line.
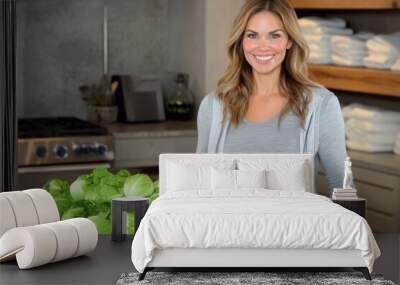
x=139, y=100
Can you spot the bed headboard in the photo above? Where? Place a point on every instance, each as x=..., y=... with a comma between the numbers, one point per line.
x=165, y=158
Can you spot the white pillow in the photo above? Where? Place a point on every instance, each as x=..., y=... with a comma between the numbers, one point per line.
x=193, y=174
x=282, y=174
x=181, y=177
x=293, y=179
x=223, y=179
x=251, y=178
x=228, y=179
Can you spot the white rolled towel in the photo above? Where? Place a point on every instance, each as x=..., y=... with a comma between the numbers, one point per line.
x=40, y=244
x=46, y=207
x=26, y=208
x=23, y=208
x=87, y=233
x=32, y=246
x=7, y=218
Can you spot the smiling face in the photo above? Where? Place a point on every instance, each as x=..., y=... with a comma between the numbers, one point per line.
x=265, y=43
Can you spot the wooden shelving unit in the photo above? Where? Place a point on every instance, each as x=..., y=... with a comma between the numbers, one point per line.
x=365, y=80
x=343, y=4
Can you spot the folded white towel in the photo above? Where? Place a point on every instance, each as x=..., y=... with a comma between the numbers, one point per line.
x=389, y=43
x=372, y=114
x=327, y=31
x=314, y=21
x=379, y=60
x=310, y=38
x=319, y=59
x=339, y=60
x=396, y=65
x=348, y=41
x=364, y=35
x=368, y=147
x=373, y=138
x=320, y=48
x=349, y=54
x=372, y=127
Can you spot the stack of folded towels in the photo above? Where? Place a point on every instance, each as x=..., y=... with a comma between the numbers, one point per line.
x=397, y=145
x=370, y=129
x=344, y=194
x=396, y=65
x=383, y=51
x=318, y=32
x=350, y=50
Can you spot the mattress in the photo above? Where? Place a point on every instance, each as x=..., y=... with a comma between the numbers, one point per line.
x=250, y=219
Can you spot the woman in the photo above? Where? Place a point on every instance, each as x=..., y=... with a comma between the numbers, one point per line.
x=265, y=102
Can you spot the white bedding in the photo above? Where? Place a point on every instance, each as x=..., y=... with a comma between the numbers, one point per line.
x=252, y=218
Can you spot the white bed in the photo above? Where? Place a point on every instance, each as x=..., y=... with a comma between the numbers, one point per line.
x=248, y=227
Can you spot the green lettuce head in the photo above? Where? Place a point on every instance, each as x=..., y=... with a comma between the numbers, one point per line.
x=138, y=185
x=59, y=190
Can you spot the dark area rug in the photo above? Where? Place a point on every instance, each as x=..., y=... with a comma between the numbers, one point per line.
x=231, y=278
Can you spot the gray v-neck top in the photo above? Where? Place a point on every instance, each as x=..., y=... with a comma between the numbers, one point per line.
x=264, y=137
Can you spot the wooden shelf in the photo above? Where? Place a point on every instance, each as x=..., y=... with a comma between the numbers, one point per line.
x=364, y=80
x=343, y=4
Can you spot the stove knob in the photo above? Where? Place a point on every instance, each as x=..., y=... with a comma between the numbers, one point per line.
x=86, y=149
x=101, y=149
x=61, y=151
x=41, y=151
x=77, y=149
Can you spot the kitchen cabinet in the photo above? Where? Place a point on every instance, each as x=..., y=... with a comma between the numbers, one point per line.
x=377, y=179
x=381, y=189
x=139, y=145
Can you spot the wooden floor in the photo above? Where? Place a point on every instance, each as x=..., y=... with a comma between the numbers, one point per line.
x=103, y=266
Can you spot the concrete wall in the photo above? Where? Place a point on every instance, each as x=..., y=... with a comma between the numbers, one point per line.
x=62, y=48
x=188, y=42
x=219, y=18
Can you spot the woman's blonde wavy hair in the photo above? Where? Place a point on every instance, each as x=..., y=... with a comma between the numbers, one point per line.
x=236, y=84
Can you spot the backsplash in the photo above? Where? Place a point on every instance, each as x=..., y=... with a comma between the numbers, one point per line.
x=60, y=47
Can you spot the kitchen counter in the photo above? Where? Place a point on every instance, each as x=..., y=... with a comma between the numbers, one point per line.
x=387, y=162
x=156, y=129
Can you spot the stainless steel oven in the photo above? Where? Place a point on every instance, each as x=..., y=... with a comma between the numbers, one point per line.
x=60, y=148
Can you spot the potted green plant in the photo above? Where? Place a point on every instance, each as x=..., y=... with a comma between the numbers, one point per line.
x=100, y=101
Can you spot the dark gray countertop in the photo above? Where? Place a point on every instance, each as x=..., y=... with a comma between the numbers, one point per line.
x=157, y=129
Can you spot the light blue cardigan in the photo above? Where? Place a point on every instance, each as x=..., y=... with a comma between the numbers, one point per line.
x=309, y=135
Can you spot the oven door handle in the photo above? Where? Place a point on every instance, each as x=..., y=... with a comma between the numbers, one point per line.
x=57, y=168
